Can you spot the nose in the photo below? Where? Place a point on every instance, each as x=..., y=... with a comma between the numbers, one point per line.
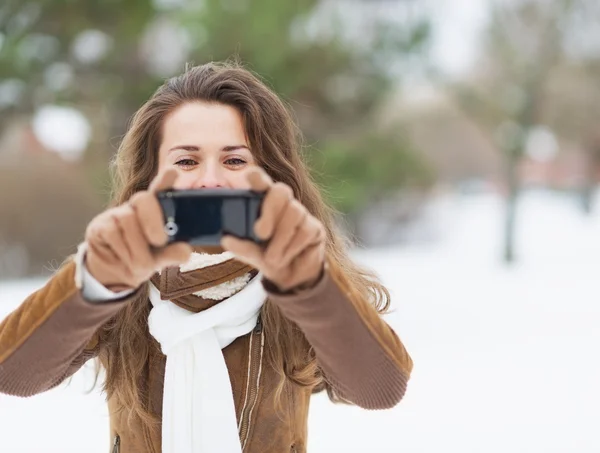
x=210, y=178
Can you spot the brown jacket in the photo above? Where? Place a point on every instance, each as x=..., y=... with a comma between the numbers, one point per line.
x=51, y=335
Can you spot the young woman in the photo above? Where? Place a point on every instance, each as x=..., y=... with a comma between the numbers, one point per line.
x=212, y=350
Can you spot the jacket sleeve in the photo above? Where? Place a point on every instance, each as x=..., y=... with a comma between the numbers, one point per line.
x=359, y=353
x=50, y=335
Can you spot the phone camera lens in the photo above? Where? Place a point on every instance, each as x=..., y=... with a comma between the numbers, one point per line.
x=171, y=228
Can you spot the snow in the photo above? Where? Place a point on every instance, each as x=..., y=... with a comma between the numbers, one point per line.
x=505, y=357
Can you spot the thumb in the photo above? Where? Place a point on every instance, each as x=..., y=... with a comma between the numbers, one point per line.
x=163, y=181
x=244, y=250
x=173, y=254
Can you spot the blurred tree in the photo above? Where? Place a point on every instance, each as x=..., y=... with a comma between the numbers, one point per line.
x=362, y=170
x=333, y=62
x=572, y=108
x=335, y=82
x=572, y=101
x=525, y=44
x=83, y=54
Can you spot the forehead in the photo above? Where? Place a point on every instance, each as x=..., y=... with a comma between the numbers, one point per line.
x=203, y=121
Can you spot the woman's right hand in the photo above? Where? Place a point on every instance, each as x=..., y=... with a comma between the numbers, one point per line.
x=126, y=244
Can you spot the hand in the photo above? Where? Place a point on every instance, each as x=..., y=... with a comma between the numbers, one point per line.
x=295, y=254
x=126, y=244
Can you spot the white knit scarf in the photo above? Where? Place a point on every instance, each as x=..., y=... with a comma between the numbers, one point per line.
x=198, y=408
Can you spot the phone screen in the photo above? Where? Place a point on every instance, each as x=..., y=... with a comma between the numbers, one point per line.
x=200, y=219
x=203, y=218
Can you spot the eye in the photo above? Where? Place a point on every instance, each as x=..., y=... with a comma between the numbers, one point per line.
x=186, y=163
x=235, y=161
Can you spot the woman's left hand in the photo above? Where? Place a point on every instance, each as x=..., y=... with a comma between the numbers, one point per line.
x=294, y=257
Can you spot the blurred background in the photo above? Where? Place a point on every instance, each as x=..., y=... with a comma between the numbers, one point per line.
x=458, y=139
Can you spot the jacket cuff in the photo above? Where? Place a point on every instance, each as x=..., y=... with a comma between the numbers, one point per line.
x=299, y=293
x=91, y=289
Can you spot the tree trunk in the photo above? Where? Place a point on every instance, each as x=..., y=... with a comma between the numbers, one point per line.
x=512, y=180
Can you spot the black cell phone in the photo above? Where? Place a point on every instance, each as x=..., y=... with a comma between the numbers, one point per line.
x=204, y=216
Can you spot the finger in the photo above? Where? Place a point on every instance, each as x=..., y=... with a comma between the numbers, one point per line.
x=135, y=239
x=304, y=266
x=164, y=180
x=96, y=235
x=114, y=217
x=150, y=217
x=293, y=216
x=246, y=251
x=273, y=206
x=103, y=251
x=108, y=257
x=92, y=232
x=172, y=255
x=307, y=235
x=258, y=179
x=112, y=236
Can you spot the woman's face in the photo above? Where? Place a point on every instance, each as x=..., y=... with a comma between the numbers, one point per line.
x=207, y=144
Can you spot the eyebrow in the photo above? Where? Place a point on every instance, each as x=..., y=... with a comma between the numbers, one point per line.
x=193, y=148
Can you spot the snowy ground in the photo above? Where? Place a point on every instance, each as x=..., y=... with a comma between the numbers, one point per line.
x=506, y=360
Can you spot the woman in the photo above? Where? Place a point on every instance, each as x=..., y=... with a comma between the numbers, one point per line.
x=218, y=350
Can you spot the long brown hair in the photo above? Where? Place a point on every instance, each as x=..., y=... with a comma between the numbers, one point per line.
x=276, y=146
